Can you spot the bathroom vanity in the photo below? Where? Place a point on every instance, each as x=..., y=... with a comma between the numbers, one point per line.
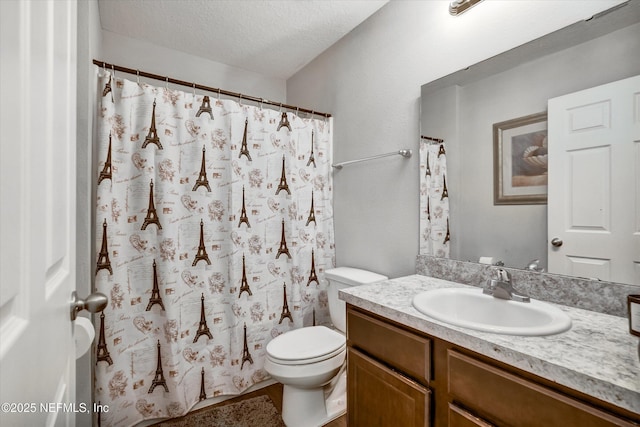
x=406, y=369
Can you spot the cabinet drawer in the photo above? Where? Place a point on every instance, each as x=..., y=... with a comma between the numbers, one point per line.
x=458, y=417
x=380, y=397
x=406, y=351
x=509, y=400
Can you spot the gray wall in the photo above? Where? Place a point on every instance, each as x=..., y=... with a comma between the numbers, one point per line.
x=514, y=234
x=139, y=54
x=370, y=81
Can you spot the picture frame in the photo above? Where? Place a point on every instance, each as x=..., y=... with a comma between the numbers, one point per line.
x=520, y=161
x=633, y=308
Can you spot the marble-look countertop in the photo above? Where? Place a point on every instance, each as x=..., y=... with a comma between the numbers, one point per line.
x=597, y=356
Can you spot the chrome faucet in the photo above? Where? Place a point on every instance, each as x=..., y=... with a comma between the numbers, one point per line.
x=534, y=265
x=501, y=287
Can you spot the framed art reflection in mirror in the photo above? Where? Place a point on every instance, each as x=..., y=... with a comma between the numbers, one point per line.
x=520, y=160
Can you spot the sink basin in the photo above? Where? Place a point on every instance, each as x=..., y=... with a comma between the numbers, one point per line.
x=472, y=309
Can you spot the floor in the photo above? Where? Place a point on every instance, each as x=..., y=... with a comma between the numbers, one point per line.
x=275, y=393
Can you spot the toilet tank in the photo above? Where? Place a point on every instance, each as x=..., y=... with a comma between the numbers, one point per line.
x=340, y=278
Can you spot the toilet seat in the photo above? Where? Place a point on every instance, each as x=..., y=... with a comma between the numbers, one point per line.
x=305, y=345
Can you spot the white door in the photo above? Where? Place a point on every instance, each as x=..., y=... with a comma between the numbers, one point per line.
x=37, y=209
x=594, y=182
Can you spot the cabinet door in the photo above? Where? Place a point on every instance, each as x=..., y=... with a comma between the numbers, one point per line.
x=458, y=417
x=380, y=397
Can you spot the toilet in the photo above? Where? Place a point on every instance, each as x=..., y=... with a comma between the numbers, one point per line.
x=310, y=361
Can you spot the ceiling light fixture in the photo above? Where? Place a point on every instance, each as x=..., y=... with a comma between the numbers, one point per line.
x=458, y=7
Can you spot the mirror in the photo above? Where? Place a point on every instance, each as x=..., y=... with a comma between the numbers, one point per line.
x=462, y=108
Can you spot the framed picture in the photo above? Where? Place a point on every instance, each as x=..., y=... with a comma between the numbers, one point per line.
x=520, y=161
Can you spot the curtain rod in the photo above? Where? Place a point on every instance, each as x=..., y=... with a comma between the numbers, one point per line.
x=439, y=140
x=219, y=91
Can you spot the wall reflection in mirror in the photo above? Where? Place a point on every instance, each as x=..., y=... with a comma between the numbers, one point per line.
x=463, y=108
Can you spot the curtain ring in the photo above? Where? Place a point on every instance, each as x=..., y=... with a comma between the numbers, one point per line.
x=218, y=94
x=240, y=99
x=194, y=90
x=104, y=67
x=261, y=101
x=113, y=71
x=166, y=85
x=138, y=76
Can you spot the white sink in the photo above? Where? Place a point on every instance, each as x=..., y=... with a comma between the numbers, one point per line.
x=472, y=309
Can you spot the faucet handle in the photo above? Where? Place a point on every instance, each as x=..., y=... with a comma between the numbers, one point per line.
x=503, y=275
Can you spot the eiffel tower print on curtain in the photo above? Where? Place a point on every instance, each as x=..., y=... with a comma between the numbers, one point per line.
x=155, y=291
x=244, y=149
x=283, y=244
x=106, y=170
x=312, y=158
x=152, y=136
x=285, y=306
x=102, y=353
x=283, y=180
x=313, y=277
x=201, y=255
x=203, y=393
x=447, y=237
x=244, y=286
x=445, y=192
x=205, y=107
x=202, y=180
x=103, y=257
x=243, y=214
x=107, y=89
x=246, y=356
x=152, y=215
x=284, y=122
x=203, y=329
x=158, y=379
x=312, y=213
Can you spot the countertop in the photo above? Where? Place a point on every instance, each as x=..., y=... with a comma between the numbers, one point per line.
x=597, y=356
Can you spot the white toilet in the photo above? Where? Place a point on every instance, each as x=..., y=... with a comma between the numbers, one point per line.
x=309, y=361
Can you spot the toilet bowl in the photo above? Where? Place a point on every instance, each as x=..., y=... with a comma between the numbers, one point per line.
x=310, y=361
x=304, y=360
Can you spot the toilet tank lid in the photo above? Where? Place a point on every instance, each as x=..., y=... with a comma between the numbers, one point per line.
x=353, y=276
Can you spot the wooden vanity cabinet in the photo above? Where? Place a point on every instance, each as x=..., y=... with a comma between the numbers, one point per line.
x=397, y=376
x=388, y=371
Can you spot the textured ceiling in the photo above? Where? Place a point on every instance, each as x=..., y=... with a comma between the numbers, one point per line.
x=271, y=37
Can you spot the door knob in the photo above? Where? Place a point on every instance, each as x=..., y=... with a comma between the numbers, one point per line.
x=556, y=242
x=93, y=303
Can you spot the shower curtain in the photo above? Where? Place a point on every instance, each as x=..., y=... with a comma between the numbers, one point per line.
x=214, y=226
x=435, y=233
